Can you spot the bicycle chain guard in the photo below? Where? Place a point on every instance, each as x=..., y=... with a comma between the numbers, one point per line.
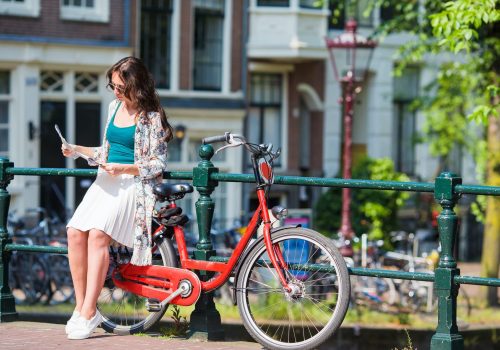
x=157, y=282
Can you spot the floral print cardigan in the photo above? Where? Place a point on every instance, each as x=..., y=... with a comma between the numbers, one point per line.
x=150, y=155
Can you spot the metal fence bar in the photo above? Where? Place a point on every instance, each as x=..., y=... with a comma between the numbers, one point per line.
x=205, y=177
x=35, y=248
x=483, y=281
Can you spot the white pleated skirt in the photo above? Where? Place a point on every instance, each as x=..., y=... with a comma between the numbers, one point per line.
x=109, y=206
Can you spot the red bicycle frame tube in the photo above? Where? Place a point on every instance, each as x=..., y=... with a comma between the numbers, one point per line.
x=223, y=270
x=274, y=252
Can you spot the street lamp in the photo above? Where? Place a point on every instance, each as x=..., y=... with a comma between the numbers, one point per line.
x=350, y=54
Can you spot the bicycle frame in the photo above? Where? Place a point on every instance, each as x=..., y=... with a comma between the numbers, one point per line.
x=137, y=278
x=224, y=269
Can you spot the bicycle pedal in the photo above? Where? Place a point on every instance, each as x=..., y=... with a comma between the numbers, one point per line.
x=153, y=305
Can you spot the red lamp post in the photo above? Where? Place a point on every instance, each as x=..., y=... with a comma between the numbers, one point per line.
x=346, y=51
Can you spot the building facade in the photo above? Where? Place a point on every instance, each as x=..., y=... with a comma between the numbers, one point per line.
x=253, y=67
x=53, y=59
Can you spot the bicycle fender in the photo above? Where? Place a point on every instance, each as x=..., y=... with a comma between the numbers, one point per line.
x=249, y=249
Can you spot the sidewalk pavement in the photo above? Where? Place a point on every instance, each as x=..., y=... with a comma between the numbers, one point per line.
x=48, y=336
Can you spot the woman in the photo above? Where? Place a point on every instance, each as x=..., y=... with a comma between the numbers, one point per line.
x=119, y=204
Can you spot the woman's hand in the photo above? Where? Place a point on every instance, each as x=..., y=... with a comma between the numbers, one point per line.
x=115, y=169
x=68, y=151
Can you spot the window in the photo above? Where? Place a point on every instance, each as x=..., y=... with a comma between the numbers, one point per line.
x=73, y=101
x=208, y=45
x=85, y=10
x=310, y=4
x=174, y=150
x=4, y=112
x=264, y=122
x=156, y=26
x=273, y=3
x=405, y=91
x=86, y=82
x=390, y=12
x=51, y=81
x=341, y=10
x=29, y=8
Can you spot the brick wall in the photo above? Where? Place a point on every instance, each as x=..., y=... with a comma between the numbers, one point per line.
x=50, y=25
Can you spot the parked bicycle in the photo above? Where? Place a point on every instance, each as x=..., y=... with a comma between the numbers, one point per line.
x=279, y=291
x=39, y=277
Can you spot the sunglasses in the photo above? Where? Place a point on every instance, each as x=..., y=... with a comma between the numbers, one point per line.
x=112, y=87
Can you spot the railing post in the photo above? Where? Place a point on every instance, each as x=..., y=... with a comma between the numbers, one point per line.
x=447, y=336
x=7, y=301
x=205, y=322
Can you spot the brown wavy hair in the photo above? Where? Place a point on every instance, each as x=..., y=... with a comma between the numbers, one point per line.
x=140, y=89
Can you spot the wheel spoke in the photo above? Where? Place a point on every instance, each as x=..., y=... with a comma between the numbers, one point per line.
x=314, y=306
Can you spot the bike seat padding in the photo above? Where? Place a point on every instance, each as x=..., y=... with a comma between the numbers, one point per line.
x=170, y=192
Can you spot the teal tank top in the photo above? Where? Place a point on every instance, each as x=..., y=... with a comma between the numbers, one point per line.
x=121, y=142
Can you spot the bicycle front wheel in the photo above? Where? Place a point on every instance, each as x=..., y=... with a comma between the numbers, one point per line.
x=306, y=316
x=124, y=312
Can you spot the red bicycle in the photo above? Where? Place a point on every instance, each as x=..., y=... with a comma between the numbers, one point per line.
x=291, y=284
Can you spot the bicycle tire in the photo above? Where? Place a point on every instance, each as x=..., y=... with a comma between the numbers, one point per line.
x=267, y=311
x=125, y=313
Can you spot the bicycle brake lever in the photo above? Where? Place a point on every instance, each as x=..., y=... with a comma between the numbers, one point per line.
x=231, y=143
x=236, y=144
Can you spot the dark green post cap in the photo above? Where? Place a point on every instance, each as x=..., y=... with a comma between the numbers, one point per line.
x=445, y=185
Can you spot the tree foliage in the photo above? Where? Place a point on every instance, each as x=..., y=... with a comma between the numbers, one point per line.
x=466, y=89
x=372, y=212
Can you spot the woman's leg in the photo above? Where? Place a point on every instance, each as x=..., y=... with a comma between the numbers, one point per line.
x=77, y=255
x=97, y=267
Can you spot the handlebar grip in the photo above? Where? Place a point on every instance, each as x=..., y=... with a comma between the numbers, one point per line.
x=213, y=139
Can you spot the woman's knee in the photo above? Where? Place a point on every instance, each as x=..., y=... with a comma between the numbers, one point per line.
x=99, y=239
x=76, y=236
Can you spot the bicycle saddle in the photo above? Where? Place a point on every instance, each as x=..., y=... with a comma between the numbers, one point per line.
x=171, y=192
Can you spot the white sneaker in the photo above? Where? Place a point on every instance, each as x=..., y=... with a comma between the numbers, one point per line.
x=70, y=325
x=84, y=328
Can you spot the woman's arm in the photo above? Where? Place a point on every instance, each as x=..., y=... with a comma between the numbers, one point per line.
x=88, y=151
x=70, y=151
x=155, y=162
x=118, y=169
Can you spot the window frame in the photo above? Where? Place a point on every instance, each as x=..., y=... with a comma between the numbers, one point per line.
x=169, y=57
x=28, y=8
x=7, y=98
x=404, y=115
x=223, y=15
x=282, y=162
x=99, y=12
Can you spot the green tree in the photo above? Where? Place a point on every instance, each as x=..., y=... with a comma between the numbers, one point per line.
x=465, y=91
x=372, y=212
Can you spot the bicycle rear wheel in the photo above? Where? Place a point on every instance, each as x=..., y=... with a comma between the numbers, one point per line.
x=310, y=314
x=124, y=312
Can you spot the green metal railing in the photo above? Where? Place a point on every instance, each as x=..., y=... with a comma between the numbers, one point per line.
x=205, y=320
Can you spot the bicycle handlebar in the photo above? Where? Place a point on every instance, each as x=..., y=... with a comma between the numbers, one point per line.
x=219, y=138
x=234, y=140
